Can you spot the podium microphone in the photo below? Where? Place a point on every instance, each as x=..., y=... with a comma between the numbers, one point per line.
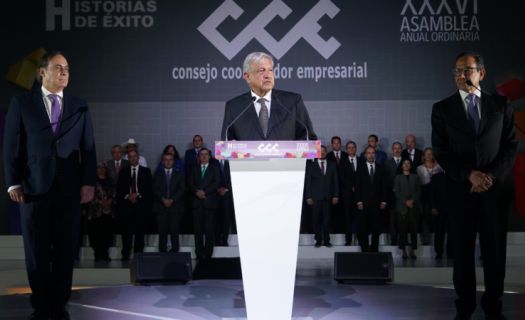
x=470, y=84
x=252, y=99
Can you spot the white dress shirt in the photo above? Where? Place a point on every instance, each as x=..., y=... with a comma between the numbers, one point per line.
x=267, y=97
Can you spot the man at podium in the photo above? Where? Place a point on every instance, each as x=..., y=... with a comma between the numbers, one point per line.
x=265, y=113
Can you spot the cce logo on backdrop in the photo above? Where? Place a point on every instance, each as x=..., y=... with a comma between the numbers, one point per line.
x=307, y=28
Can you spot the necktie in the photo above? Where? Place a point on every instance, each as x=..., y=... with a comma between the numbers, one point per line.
x=412, y=155
x=397, y=162
x=263, y=116
x=472, y=108
x=337, y=157
x=168, y=180
x=117, y=167
x=352, y=164
x=134, y=181
x=203, y=170
x=322, y=168
x=55, y=111
x=371, y=174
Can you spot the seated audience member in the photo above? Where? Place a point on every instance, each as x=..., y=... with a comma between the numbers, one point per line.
x=134, y=188
x=132, y=145
x=373, y=141
x=204, y=181
x=116, y=163
x=371, y=198
x=178, y=164
x=321, y=192
x=407, y=190
x=168, y=192
x=101, y=214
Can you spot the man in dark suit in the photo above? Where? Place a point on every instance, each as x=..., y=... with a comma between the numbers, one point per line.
x=321, y=191
x=265, y=113
x=168, y=192
x=116, y=163
x=371, y=198
x=373, y=141
x=204, y=181
x=226, y=213
x=412, y=153
x=336, y=154
x=191, y=156
x=134, y=204
x=392, y=167
x=50, y=163
x=348, y=177
x=473, y=139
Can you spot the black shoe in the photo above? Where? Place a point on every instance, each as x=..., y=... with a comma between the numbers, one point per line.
x=413, y=256
x=495, y=317
x=318, y=244
x=457, y=317
x=348, y=243
x=125, y=258
x=60, y=315
x=439, y=256
x=38, y=315
x=328, y=245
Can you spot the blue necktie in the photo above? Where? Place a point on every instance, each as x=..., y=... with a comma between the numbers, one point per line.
x=473, y=114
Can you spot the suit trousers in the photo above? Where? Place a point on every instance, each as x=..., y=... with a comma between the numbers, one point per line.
x=407, y=224
x=368, y=222
x=50, y=227
x=133, y=221
x=204, y=230
x=468, y=211
x=321, y=220
x=100, y=230
x=168, y=222
x=350, y=216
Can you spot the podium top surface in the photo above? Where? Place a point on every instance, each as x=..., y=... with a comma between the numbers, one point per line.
x=262, y=150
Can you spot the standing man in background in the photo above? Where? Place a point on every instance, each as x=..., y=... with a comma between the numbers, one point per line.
x=473, y=138
x=50, y=166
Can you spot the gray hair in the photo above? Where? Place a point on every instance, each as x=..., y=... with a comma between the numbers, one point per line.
x=255, y=57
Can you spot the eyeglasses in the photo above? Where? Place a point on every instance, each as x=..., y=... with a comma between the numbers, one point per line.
x=61, y=69
x=466, y=71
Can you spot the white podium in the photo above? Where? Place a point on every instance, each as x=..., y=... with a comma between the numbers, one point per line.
x=267, y=193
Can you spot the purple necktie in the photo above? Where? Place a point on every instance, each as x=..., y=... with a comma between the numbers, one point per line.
x=472, y=108
x=55, y=111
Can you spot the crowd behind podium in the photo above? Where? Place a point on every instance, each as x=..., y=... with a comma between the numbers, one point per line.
x=360, y=191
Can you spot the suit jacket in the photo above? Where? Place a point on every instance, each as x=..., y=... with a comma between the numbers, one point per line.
x=144, y=186
x=331, y=156
x=459, y=150
x=35, y=157
x=110, y=165
x=407, y=189
x=319, y=186
x=287, y=111
x=176, y=190
x=209, y=183
x=190, y=160
x=418, y=158
x=371, y=193
x=391, y=171
x=348, y=178
x=380, y=156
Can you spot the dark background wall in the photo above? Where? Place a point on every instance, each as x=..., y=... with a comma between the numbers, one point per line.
x=130, y=60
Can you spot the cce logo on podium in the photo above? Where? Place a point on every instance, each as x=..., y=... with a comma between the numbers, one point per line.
x=307, y=28
x=268, y=147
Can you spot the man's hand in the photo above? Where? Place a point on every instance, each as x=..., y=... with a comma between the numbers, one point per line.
x=335, y=200
x=17, y=195
x=132, y=197
x=310, y=202
x=435, y=212
x=360, y=206
x=87, y=193
x=382, y=205
x=409, y=203
x=167, y=202
x=480, y=181
x=200, y=194
x=222, y=191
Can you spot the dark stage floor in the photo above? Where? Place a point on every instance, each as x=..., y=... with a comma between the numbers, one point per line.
x=223, y=299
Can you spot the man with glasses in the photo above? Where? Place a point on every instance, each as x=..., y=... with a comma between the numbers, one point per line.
x=473, y=139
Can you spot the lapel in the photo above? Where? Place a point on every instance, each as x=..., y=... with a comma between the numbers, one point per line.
x=252, y=115
x=41, y=112
x=486, y=105
x=458, y=116
x=277, y=114
x=66, y=118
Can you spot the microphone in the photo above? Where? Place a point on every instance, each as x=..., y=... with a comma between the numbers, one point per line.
x=298, y=120
x=470, y=84
x=252, y=99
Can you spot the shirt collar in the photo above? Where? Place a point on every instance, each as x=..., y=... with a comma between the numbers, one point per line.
x=465, y=94
x=267, y=96
x=46, y=93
